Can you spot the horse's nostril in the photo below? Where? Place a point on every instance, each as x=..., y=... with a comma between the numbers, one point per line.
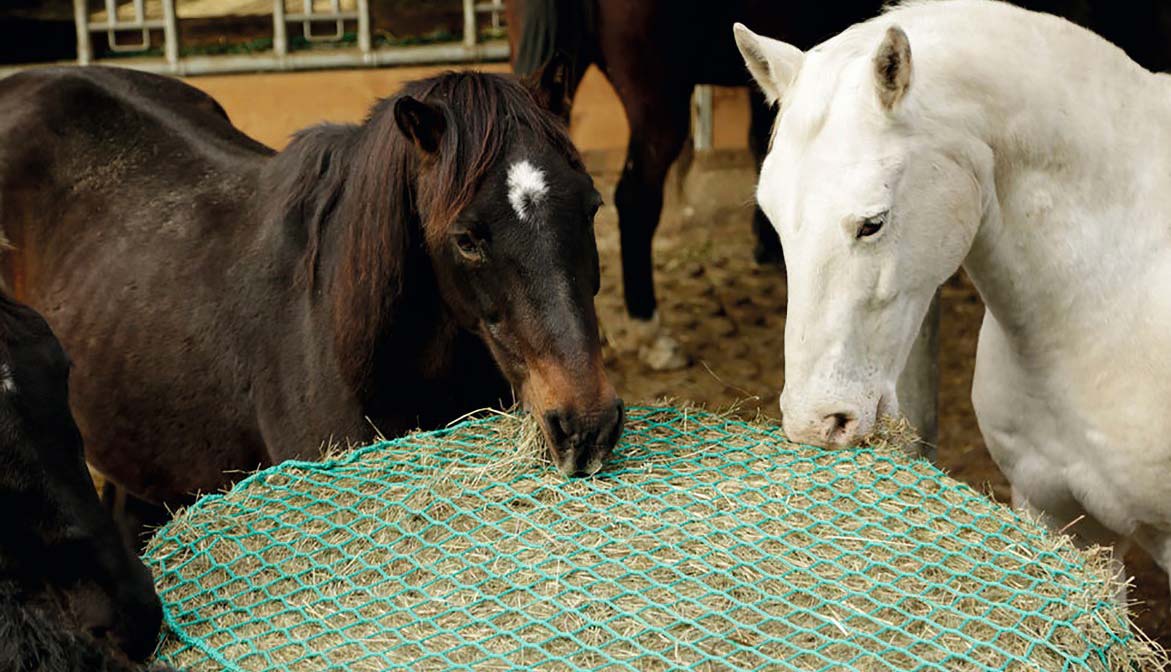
x=839, y=420
x=99, y=632
x=567, y=424
x=839, y=427
x=559, y=428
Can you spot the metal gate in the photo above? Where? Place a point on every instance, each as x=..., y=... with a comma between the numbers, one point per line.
x=315, y=20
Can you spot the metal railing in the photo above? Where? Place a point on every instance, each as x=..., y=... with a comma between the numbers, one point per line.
x=281, y=57
x=702, y=122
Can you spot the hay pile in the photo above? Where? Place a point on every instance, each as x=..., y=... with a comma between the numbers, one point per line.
x=710, y=544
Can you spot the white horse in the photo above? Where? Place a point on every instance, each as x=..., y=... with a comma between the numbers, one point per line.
x=1038, y=156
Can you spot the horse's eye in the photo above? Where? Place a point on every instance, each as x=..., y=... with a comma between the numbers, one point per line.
x=871, y=225
x=468, y=246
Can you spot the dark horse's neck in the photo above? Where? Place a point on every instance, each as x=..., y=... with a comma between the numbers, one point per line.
x=346, y=197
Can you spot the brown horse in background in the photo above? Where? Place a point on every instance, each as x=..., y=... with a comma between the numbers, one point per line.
x=228, y=307
x=654, y=53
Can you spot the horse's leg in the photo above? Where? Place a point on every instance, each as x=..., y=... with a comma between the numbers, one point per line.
x=1162, y=553
x=768, y=245
x=658, y=128
x=1157, y=543
x=137, y=519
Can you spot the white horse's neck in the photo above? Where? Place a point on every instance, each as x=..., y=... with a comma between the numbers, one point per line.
x=1081, y=160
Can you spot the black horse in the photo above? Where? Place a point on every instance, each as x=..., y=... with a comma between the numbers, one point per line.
x=72, y=595
x=655, y=52
x=228, y=307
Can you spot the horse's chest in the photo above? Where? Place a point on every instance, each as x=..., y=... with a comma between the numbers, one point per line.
x=1071, y=443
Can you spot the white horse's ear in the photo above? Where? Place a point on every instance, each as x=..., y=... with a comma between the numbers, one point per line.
x=773, y=64
x=892, y=68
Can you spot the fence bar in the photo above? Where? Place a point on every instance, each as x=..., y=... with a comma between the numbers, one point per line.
x=149, y=24
x=493, y=7
x=364, y=26
x=280, y=39
x=170, y=33
x=703, y=118
x=85, y=52
x=330, y=59
x=469, y=23
x=318, y=16
x=333, y=14
x=137, y=22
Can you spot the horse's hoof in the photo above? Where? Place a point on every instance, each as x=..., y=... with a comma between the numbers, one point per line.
x=664, y=354
x=653, y=344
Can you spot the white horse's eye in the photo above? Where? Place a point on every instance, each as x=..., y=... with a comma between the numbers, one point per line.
x=871, y=225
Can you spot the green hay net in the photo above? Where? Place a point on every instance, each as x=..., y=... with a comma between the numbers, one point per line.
x=708, y=544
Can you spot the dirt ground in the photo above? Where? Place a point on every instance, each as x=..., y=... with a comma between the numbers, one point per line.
x=728, y=312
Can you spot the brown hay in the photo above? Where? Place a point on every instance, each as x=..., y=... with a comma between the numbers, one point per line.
x=910, y=569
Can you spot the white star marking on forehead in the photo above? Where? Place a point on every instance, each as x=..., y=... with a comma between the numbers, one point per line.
x=526, y=186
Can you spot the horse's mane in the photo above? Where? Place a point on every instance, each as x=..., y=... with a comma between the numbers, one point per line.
x=363, y=183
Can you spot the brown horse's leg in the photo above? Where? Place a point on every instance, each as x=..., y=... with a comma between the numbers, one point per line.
x=658, y=128
x=137, y=519
x=768, y=245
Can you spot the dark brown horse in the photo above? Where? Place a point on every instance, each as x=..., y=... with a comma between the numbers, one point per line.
x=72, y=594
x=655, y=52
x=228, y=307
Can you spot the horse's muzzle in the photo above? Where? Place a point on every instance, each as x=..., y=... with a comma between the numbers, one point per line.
x=138, y=631
x=579, y=443
x=126, y=614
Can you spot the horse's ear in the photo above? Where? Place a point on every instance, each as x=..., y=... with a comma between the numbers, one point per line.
x=423, y=124
x=552, y=84
x=892, y=68
x=773, y=64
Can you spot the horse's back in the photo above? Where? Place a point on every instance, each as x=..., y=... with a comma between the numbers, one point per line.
x=105, y=130
x=107, y=149
x=93, y=102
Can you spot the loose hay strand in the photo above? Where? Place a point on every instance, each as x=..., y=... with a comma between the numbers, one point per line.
x=712, y=543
